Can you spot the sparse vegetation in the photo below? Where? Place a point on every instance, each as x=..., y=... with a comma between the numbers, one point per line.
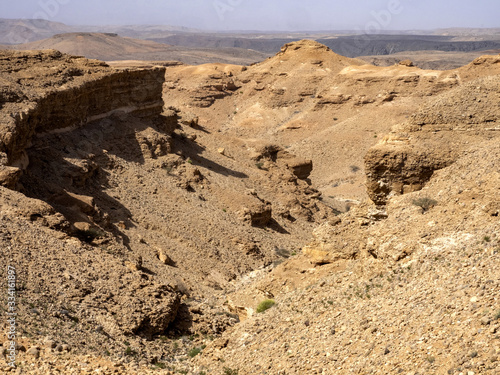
x=229, y=371
x=259, y=165
x=487, y=239
x=194, y=352
x=497, y=315
x=160, y=365
x=354, y=168
x=425, y=203
x=265, y=305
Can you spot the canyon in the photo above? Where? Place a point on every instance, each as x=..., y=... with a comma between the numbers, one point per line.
x=150, y=209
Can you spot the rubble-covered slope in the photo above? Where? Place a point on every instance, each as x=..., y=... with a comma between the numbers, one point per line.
x=416, y=292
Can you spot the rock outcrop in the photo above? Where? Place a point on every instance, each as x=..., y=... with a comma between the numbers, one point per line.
x=45, y=98
x=46, y=92
x=433, y=138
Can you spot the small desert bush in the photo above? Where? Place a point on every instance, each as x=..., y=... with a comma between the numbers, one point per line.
x=265, y=305
x=425, y=203
x=194, y=352
x=230, y=371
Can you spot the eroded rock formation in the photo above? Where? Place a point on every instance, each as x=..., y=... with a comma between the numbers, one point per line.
x=47, y=92
x=433, y=138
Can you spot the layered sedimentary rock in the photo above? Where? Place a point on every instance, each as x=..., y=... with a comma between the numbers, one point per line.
x=46, y=91
x=47, y=100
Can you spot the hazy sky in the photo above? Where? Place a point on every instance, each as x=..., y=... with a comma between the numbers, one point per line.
x=371, y=15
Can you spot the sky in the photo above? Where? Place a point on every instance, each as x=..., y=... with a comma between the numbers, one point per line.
x=265, y=15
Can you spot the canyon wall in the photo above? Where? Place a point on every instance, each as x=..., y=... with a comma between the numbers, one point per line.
x=37, y=100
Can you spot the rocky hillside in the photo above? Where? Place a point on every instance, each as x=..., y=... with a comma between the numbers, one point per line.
x=149, y=212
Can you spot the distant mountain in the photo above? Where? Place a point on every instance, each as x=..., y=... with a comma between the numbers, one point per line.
x=469, y=32
x=346, y=45
x=141, y=31
x=103, y=46
x=18, y=31
x=112, y=47
x=230, y=47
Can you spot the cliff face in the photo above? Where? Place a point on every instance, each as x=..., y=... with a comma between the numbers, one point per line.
x=433, y=138
x=47, y=92
x=47, y=101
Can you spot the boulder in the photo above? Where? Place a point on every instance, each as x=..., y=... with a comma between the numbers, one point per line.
x=258, y=215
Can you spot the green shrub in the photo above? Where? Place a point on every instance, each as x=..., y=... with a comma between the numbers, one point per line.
x=129, y=351
x=160, y=365
x=194, y=352
x=425, y=203
x=265, y=305
x=229, y=371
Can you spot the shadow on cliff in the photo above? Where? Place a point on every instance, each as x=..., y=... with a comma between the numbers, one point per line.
x=69, y=171
x=192, y=150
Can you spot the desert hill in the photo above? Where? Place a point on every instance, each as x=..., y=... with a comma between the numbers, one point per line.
x=169, y=201
x=313, y=102
x=18, y=31
x=111, y=46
